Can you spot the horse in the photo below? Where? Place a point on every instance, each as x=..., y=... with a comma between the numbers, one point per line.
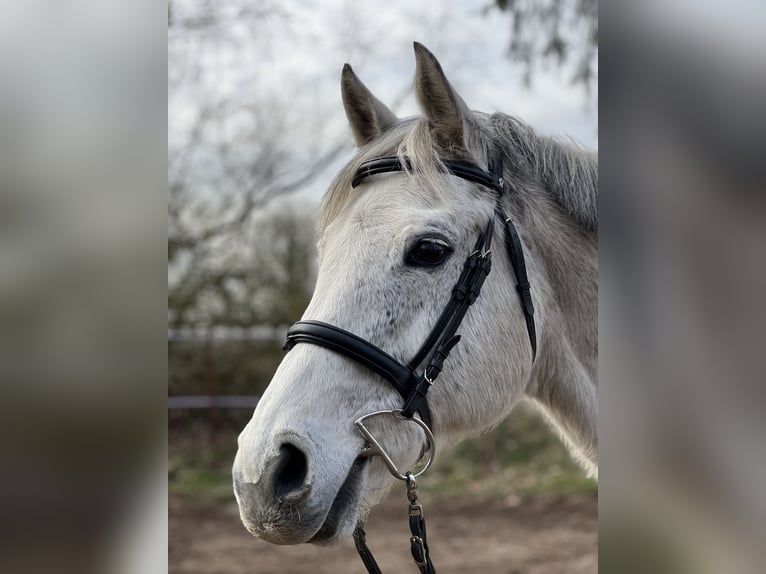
x=392, y=243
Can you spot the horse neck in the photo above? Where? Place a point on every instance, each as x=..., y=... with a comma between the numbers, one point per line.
x=563, y=263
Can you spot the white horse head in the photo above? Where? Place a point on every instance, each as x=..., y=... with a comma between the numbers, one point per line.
x=390, y=252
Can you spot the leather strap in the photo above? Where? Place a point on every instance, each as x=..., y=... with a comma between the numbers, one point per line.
x=421, y=554
x=401, y=377
x=515, y=252
x=460, y=289
x=418, y=548
x=462, y=169
x=360, y=541
x=443, y=335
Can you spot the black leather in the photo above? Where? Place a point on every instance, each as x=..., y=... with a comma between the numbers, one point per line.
x=360, y=541
x=401, y=377
x=515, y=252
x=465, y=283
x=463, y=169
x=443, y=336
x=421, y=554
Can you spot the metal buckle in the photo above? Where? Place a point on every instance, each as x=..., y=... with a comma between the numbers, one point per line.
x=482, y=253
x=374, y=448
x=417, y=541
x=412, y=495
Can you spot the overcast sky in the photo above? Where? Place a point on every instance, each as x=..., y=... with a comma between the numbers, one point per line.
x=297, y=51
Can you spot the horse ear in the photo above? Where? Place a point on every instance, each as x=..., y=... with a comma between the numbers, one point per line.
x=444, y=109
x=367, y=115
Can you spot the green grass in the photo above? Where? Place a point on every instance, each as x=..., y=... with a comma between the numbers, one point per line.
x=196, y=470
x=201, y=481
x=522, y=455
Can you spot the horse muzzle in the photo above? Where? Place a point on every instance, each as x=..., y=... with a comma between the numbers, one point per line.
x=276, y=505
x=284, y=504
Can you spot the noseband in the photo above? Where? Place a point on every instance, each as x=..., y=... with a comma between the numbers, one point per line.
x=409, y=380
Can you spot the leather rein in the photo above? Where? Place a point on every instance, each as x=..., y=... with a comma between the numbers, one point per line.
x=408, y=379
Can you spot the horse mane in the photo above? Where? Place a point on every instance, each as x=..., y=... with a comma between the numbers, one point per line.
x=568, y=172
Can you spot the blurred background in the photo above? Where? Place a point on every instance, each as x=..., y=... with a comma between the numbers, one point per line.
x=256, y=130
x=92, y=153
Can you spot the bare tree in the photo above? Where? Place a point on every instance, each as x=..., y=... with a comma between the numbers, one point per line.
x=243, y=131
x=264, y=274
x=559, y=32
x=230, y=151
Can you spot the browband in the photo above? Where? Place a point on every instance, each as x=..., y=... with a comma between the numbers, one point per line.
x=462, y=169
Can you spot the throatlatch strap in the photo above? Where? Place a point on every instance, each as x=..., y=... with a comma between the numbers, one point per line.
x=516, y=256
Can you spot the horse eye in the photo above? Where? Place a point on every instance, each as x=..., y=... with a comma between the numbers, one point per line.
x=428, y=252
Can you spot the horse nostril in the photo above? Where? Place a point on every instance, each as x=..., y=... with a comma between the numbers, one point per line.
x=291, y=471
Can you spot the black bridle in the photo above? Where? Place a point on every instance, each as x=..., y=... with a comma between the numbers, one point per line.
x=410, y=382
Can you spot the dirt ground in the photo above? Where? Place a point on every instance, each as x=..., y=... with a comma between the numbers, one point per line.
x=535, y=535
